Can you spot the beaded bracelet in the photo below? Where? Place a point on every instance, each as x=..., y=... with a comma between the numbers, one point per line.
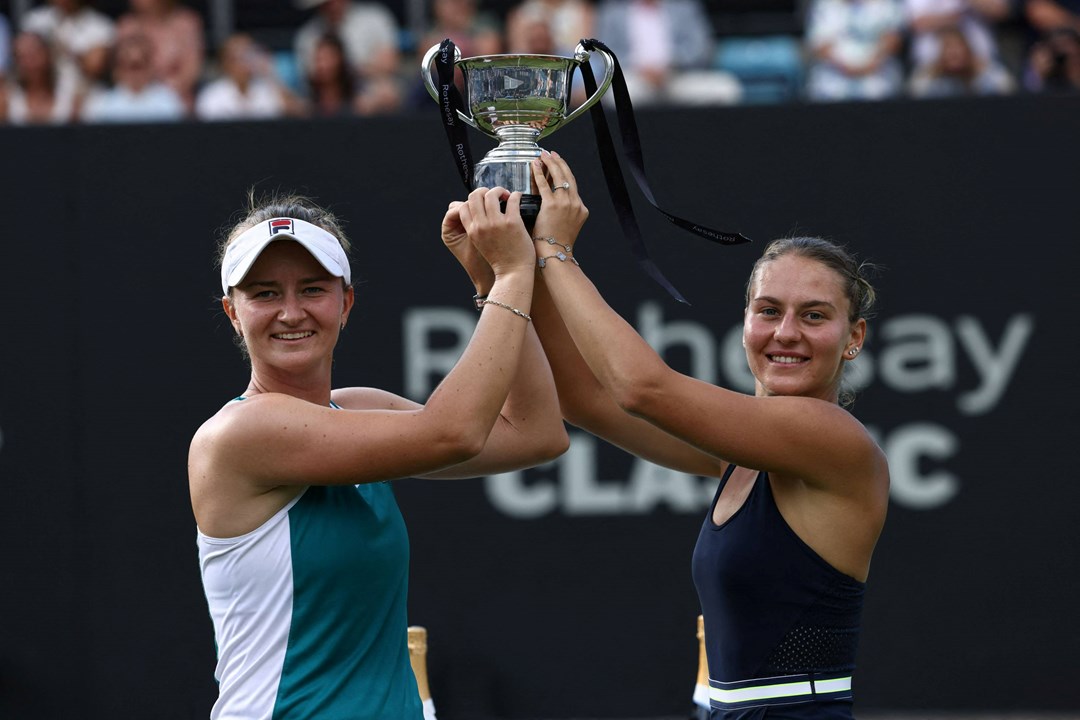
x=511, y=308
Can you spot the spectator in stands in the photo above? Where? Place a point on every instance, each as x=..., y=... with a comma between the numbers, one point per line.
x=1054, y=62
x=958, y=70
x=974, y=18
x=854, y=48
x=529, y=32
x=369, y=34
x=248, y=87
x=332, y=86
x=665, y=48
x=566, y=21
x=178, y=40
x=136, y=95
x=473, y=32
x=36, y=92
x=81, y=37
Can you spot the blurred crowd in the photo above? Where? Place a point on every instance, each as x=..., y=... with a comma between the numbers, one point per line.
x=65, y=61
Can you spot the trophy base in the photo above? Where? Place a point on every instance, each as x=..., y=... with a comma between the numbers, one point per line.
x=530, y=208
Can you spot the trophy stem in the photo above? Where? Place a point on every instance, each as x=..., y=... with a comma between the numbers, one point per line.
x=509, y=165
x=517, y=136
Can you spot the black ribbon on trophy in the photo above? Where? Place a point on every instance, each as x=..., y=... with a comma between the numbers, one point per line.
x=450, y=105
x=539, y=114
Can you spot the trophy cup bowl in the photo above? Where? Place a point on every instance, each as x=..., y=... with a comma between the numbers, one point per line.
x=517, y=99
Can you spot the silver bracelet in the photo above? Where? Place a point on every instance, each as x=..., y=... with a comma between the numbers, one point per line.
x=552, y=241
x=511, y=308
x=560, y=256
x=478, y=301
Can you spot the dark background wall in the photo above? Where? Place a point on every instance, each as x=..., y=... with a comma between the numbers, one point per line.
x=563, y=591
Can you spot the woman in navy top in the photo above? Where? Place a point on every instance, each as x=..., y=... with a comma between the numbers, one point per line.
x=784, y=553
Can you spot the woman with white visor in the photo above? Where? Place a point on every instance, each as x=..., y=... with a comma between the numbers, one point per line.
x=303, y=551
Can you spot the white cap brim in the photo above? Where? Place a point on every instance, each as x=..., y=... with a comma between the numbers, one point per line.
x=242, y=252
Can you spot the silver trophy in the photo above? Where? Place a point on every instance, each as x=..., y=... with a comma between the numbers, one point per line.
x=517, y=99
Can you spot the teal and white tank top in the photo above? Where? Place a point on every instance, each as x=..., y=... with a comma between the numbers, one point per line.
x=309, y=611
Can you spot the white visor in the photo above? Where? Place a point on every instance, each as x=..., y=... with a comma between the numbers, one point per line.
x=242, y=252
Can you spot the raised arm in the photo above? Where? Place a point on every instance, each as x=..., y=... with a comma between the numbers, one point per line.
x=529, y=430
x=779, y=434
x=583, y=400
x=274, y=439
x=586, y=404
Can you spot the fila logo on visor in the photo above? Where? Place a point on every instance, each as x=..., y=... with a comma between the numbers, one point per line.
x=279, y=225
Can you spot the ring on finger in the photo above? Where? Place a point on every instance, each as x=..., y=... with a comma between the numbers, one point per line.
x=564, y=186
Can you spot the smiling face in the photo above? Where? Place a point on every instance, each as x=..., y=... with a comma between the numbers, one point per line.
x=289, y=311
x=797, y=330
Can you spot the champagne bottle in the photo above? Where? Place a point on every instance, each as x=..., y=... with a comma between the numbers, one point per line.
x=418, y=659
x=701, y=685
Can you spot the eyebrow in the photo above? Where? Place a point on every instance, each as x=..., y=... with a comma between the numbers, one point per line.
x=807, y=304
x=303, y=281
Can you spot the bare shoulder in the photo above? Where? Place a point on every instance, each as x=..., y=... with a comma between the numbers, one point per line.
x=851, y=439
x=880, y=476
x=866, y=474
x=222, y=443
x=207, y=437
x=859, y=439
x=234, y=417
x=369, y=398
x=830, y=447
x=225, y=498
x=210, y=440
x=876, y=461
x=839, y=507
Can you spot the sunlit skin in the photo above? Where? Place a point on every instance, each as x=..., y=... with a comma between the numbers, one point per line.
x=796, y=329
x=290, y=310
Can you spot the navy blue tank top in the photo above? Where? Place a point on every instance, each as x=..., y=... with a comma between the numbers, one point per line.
x=781, y=624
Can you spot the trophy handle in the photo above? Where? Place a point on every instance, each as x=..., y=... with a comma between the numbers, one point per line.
x=581, y=55
x=425, y=74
